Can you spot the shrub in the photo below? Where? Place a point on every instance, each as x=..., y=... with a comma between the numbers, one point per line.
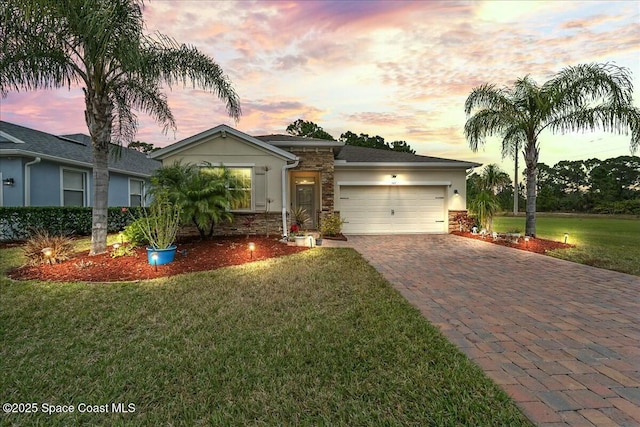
x=42, y=248
x=331, y=225
x=134, y=232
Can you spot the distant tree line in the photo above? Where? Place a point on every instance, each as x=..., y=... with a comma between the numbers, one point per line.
x=590, y=186
x=311, y=130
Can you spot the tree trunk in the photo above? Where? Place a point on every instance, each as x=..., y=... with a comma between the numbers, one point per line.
x=516, y=192
x=531, y=160
x=98, y=116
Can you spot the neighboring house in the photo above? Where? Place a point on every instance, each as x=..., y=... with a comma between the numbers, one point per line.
x=40, y=169
x=374, y=191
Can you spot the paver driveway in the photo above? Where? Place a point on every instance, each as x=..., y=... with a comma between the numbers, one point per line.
x=563, y=339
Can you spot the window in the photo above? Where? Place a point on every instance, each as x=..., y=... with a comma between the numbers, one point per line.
x=74, y=184
x=136, y=193
x=240, y=184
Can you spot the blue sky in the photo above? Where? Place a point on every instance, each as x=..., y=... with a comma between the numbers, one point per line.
x=399, y=69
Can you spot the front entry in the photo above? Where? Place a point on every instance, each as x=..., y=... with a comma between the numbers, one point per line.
x=306, y=199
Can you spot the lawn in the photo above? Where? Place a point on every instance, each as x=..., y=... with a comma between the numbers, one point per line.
x=602, y=241
x=316, y=338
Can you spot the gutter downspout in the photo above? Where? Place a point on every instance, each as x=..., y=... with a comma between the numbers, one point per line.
x=284, y=196
x=27, y=180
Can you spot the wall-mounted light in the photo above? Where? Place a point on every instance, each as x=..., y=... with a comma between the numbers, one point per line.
x=455, y=191
x=8, y=181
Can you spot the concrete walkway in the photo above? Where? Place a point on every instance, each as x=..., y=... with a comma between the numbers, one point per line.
x=563, y=339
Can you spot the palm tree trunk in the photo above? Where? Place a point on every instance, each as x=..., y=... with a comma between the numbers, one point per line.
x=98, y=116
x=531, y=160
x=516, y=192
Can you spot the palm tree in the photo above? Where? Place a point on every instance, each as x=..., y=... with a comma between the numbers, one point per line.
x=101, y=46
x=205, y=195
x=583, y=97
x=485, y=203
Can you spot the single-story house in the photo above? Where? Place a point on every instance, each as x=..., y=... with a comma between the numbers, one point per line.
x=374, y=191
x=41, y=169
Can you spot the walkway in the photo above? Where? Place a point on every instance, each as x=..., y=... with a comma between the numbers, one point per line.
x=563, y=339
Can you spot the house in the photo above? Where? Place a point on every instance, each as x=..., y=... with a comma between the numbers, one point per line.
x=41, y=169
x=374, y=191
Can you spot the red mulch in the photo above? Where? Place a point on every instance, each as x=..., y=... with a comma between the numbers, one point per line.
x=536, y=245
x=200, y=256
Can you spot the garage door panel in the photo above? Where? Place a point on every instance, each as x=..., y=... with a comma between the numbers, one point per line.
x=392, y=209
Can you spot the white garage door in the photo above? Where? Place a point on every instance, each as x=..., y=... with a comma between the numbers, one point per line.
x=392, y=209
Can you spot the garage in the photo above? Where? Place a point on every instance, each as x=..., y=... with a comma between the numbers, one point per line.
x=392, y=209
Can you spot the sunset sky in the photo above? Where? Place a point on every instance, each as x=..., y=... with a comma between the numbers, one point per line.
x=398, y=69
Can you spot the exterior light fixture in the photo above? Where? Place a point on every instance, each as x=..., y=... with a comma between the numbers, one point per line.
x=8, y=181
x=121, y=235
x=252, y=247
x=566, y=236
x=394, y=176
x=526, y=241
x=154, y=257
x=47, y=252
x=455, y=191
x=116, y=245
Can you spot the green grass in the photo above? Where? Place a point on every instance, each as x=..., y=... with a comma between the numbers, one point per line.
x=317, y=338
x=601, y=241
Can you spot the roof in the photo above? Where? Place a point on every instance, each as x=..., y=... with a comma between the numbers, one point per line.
x=364, y=156
x=222, y=130
x=70, y=149
x=281, y=140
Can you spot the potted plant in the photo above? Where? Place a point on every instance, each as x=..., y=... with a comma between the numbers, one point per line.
x=160, y=229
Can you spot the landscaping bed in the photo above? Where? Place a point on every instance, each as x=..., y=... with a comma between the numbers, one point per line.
x=191, y=256
x=540, y=246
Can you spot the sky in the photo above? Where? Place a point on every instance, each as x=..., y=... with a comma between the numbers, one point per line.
x=398, y=69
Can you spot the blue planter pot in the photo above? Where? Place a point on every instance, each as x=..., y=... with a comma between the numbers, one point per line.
x=164, y=256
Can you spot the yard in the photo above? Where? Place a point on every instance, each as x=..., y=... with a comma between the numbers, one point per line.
x=315, y=338
x=603, y=241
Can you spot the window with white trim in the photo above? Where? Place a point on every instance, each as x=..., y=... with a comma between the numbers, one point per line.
x=136, y=192
x=241, y=184
x=74, y=188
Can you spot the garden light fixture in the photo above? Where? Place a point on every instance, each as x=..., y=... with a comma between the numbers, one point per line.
x=252, y=247
x=526, y=241
x=154, y=257
x=566, y=236
x=47, y=252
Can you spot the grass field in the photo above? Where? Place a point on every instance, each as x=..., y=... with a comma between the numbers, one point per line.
x=601, y=241
x=317, y=338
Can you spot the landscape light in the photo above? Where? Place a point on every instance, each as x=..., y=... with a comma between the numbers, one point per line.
x=154, y=257
x=566, y=235
x=47, y=252
x=116, y=245
x=526, y=241
x=252, y=247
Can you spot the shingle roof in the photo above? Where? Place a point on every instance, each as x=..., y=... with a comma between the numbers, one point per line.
x=355, y=154
x=283, y=140
x=75, y=148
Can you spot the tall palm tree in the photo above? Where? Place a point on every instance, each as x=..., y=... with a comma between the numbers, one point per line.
x=101, y=46
x=583, y=97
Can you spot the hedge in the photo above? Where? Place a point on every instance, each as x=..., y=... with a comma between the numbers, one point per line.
x=17, y=223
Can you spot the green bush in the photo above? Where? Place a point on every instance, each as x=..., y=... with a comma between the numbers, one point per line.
x=331, y=225
x=17, y=223
x=134, y=232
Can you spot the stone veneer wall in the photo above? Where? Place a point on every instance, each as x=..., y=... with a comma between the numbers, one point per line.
x=453, y=225
x=240, y=226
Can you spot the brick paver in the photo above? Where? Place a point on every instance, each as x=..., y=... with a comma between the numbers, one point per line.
x=563, y=339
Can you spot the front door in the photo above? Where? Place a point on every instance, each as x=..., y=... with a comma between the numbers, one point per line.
x=306, y=199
